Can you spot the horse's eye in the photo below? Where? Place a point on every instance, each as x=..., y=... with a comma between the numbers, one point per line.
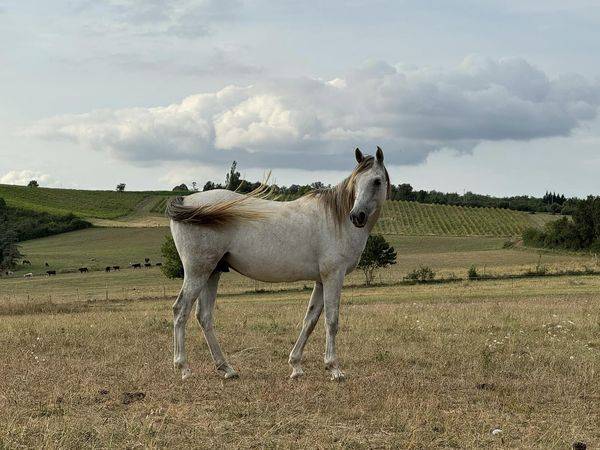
x=377, y=182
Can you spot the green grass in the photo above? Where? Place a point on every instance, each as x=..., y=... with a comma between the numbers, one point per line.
x=82, y=203
x=94, y=248
x=97, y=248
x=412, y=218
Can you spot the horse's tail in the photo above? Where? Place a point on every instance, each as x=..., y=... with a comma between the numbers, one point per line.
x=220, y=213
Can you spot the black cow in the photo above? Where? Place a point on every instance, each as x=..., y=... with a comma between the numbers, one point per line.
x=50, y=272
x=147, y=265
x=158, y=264
x=136, y=265
x=146, y=260
x=107, y=269
x=83, y=270
x=116, y=267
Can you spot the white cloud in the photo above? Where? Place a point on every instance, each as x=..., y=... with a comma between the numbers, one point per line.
x=410, y=112
x=23, y=177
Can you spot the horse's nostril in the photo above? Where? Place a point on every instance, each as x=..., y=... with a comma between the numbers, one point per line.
x=361, y=217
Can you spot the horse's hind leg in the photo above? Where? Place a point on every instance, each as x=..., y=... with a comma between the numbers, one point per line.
x=315, y=306
x=204, y=314
x=181, y=311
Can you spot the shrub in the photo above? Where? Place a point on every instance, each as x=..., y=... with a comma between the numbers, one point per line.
x=422, y=274
x=472, y=274
x=172, y=266
x=377, y=253
x=532, y=237
x=581, y=233
x=508, y=244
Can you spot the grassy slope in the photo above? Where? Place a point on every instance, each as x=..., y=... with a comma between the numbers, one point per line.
x=412, y=218
x=94, y=248
x=83, y=203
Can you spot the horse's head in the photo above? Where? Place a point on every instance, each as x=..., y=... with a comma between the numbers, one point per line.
x=371, y=187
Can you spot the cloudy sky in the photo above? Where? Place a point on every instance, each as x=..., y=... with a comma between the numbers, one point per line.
x=492, y=96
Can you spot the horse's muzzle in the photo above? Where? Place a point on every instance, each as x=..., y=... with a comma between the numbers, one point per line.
x=359, y=219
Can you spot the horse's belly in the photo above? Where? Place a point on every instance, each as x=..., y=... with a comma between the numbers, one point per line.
x=273, y=256
x=272, y=269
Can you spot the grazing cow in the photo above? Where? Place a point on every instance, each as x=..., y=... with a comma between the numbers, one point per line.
x=46, y=264
x=158, y=264
x=50, y=272
x=107, y=269
x=116, y=267
x=135, y=265
x=147, y=265
x=26, y=262
x=83, y=270
x=28, y=275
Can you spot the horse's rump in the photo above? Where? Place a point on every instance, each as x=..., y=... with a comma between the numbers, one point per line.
x=218, y=213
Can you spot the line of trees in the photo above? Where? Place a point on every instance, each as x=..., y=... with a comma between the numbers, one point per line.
x=551, y=202
x=580, y=232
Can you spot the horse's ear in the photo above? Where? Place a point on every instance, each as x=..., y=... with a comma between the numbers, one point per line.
x=379, y=155
x=359, y=156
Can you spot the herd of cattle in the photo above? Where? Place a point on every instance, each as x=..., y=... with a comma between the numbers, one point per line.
x=51, y=272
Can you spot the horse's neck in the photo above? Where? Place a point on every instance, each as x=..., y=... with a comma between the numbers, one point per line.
x=355, y=238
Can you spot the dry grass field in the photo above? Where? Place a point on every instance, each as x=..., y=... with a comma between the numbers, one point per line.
x=428, y=366
x=86, y=359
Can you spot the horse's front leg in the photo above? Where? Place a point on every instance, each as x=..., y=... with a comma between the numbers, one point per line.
x=332, y=290
x=313, y=312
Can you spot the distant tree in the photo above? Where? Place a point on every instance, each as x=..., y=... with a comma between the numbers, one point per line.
x=172, y=266
x=211, y=185
x=233, y=179
x=121, y=187
x=9, y=248
x=378, y=253
x=181, y=187
x=405, y=192
x=33, y=183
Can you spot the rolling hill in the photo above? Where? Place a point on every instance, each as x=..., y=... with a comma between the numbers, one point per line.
x=82, y=203
x=412, y=218
x=145, y=208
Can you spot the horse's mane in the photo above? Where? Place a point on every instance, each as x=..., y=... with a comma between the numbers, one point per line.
x=219, y=213
x=339, y=199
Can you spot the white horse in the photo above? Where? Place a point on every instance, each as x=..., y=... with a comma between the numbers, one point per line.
x=318, y=237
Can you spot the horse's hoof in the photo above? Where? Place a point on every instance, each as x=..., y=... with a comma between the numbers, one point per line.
x=231, y=375
x=228, y=372
x=297, y=373
x=337, y=375
x=186, y=373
